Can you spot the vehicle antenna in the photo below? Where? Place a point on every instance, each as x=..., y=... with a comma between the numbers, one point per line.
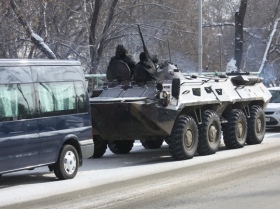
x=169, y=51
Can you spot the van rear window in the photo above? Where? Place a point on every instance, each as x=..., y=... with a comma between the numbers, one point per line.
x=17, y=101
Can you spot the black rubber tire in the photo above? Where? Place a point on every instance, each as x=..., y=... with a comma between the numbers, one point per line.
x=67, y=163
x=183, y=140
x=50, y=167
x=120, y=146
x=209, y=133
x=152, y=144
x=235, y=131
x=100, y=146
x=256, y=125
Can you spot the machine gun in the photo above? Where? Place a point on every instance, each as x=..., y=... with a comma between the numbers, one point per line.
x=153, y=57
x=143, y=42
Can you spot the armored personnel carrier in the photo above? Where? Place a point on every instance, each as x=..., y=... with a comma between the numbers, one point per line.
x=190, y=113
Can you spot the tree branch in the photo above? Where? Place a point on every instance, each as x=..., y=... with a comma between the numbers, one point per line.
x=36, y=39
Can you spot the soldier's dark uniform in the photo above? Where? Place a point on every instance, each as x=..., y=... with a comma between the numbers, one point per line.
x=122, y=54
x=145, y=69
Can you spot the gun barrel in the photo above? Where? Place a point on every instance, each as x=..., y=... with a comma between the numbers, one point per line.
x=143, y=42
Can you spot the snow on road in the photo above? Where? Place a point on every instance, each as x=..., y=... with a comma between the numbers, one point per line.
x=40, y=183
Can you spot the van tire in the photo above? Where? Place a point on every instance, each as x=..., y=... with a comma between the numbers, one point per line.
x=67, y=163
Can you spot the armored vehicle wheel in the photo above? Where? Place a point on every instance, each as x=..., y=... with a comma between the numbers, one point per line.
x=235, y=131
x=152, y=144
x=100, y=146
x=67, y=163
x=183, y=140
x=209, y=133
x=120, y=146
x=256, y=125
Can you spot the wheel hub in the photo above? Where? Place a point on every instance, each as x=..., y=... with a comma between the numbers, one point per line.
x=188, y=138
x=212, y=133
x=258, y=126
x=70, y=162
x=240, y=130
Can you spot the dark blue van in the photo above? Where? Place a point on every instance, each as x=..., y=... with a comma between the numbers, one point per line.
x=44, y=116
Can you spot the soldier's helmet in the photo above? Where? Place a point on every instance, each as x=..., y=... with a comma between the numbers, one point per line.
x=121, y=51
x=143, y=56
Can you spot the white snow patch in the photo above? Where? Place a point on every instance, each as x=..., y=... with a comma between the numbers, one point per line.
x=41, y=42
x=37, y=37
x=231, y=66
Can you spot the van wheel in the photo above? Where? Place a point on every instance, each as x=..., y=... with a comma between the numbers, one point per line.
x=66, y=166
x=120, y=146
x=256, y=125
x=235, y=131
x=152, y=144
x=183, y=140
x=210, y=133
x=100, y=146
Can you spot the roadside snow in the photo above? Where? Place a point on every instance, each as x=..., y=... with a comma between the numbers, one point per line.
x=231, y=66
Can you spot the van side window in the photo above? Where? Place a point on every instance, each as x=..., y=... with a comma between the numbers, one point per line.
x=56, y=98
x=58, y=73
x=82, y=100
x=17, y=102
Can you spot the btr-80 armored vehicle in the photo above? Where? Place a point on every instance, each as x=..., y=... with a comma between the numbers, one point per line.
x=189, y=112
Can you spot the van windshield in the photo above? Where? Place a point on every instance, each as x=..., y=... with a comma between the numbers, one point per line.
x=275, y=96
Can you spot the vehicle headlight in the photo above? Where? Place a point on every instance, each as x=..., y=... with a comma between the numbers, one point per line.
x=165, y=98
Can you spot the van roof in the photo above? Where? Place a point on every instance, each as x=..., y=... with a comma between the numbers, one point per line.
x=277, y=88
x=38, y=62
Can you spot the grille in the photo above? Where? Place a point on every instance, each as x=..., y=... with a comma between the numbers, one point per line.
x=269, y=113
x=272, y=122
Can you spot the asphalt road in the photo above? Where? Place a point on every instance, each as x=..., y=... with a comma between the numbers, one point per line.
x=241, y=178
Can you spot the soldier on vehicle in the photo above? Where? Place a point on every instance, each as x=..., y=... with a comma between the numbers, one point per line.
x=122, y=55
x=145, y=69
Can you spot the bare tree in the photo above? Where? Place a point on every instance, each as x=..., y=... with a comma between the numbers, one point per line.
x=96, y=50
x=239, y=25
x=90, y=30
x=35, y=38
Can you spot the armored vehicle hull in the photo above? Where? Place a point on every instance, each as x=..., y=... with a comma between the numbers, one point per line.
x=188, y=112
